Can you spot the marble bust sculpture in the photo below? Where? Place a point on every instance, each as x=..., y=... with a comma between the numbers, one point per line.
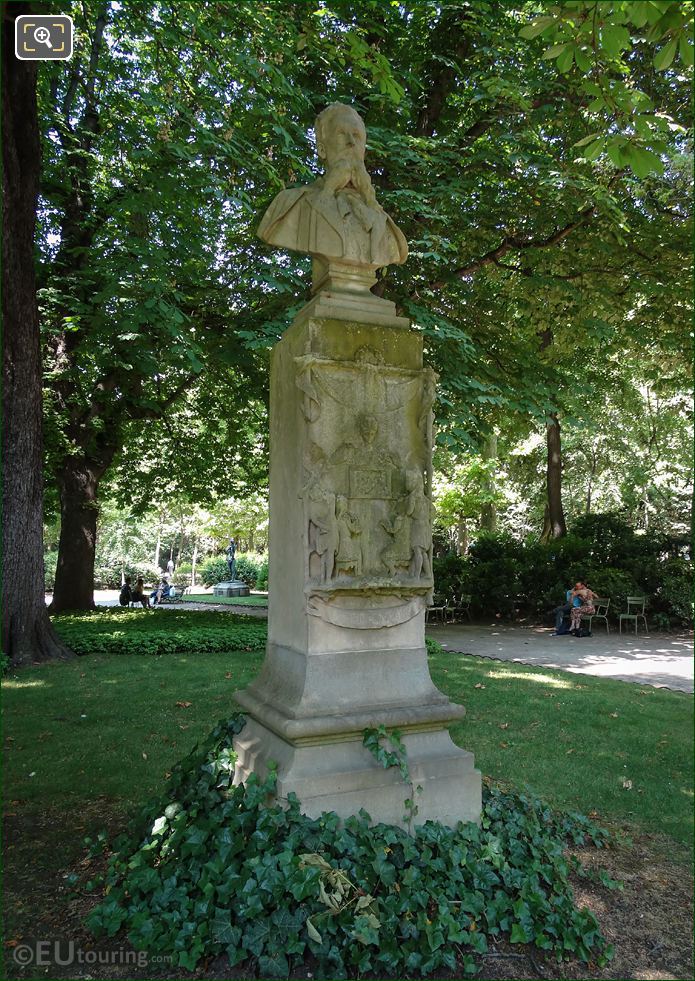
x=337, y=219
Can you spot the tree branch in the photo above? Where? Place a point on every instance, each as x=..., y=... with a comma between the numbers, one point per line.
x=511, y=243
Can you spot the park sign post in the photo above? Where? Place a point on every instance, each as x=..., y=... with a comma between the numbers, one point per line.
x=350, y=523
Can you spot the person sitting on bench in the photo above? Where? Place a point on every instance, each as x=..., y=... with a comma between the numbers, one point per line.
x=138, y=594
x=161, y=592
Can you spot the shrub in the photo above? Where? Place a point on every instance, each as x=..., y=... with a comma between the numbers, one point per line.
x=247, y=569
x=214, y=570
x=182, y=574
x=506, y=578
x=675, y=594
x=175, y=632
x=50, y=561
x=262, y=580
x=613, y=584
x=210, y=869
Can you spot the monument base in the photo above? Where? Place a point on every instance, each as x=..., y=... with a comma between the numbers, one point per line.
x=234, y=587
x=343, y=776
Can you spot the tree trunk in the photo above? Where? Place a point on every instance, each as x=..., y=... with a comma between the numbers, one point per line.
x=556, y=517
x=547, y=527
x=194, y=561
x=27, y=634
x=488, y=514
x=462, y=536
x=78, y=482
x=159, y=542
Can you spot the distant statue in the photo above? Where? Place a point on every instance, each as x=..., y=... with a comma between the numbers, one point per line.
x=231, y=560
x=337, y=219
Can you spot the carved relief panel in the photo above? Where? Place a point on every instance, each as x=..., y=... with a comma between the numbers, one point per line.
x=366, y=487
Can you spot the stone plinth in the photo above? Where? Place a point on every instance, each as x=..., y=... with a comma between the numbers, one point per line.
x=350, y=575
x=234, y=587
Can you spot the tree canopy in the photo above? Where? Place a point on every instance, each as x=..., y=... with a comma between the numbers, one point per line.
x=536, y=156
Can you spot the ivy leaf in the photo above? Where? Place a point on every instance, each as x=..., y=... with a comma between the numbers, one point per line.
x=313, y=932
x=273, y=966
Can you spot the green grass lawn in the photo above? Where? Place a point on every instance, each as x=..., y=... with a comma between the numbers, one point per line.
x=109, y=727
x=253, y=600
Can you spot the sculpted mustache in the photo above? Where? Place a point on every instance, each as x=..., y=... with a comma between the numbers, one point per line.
x=346, y=171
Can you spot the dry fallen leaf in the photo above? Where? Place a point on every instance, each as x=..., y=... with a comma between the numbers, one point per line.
x=183, y=728
x=478, y=685
x=569, y=751
x=504, y=725
x=183, y=705
x=504, y=745
x=228, y=674
x=627, y=784
x=614, y=715
x=144, y=756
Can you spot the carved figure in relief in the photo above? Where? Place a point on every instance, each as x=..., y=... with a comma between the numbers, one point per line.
x=364, y=453
x=398, y=552
x=323, y=530
x=418, y=509
x=349, y=555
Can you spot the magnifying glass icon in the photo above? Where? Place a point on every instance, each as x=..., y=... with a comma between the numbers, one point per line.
x=43, y=36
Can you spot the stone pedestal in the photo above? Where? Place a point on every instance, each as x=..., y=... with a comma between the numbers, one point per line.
x=350, y=575
x=232, y=587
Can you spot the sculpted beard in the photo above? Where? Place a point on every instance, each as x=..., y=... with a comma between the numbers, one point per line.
x=350, y=172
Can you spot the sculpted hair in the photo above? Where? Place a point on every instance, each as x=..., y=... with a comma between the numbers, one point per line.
x=323, y=117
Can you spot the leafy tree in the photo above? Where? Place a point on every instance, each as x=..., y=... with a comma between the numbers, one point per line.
x=175, y=125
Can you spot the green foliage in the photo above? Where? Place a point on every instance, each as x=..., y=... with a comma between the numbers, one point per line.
x=508, y=577
x=210, y=869
x=374, y=739
x=250, y=568
x=214, y=570
x=602, y=39
x=172, y=632
x=50, y=560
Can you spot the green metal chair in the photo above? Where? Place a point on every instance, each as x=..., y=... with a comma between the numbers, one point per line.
x=438, y=611
x=601, y=607
x=635, y=611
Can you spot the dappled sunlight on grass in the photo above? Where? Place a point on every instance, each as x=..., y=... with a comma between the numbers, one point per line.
x=541, y=679
x=12, y=683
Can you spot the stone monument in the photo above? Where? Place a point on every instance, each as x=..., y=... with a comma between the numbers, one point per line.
x=350, y=521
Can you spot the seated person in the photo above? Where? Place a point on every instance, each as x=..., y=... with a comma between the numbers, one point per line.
x=138, y=594
x=571, y=600
x=161, y=592
x=126, y=593
x=585, y=607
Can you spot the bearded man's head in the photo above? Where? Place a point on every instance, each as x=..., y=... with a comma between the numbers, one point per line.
x=341, y=139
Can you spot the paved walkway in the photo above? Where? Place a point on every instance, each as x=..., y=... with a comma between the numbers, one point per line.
x=661, y=660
